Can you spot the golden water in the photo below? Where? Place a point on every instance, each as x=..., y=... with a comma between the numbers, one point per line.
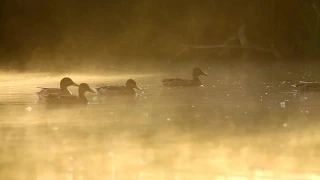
x=219, y=131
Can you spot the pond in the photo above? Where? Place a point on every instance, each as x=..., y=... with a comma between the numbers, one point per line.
x=224, y=130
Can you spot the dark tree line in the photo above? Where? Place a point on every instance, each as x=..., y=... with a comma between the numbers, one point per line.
x=76, y=29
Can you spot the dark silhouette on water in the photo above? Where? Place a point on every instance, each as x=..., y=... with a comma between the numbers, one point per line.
x=63, y=90
x=56, y=98
x=303, y=86
x=116, y=90
x=176, y=82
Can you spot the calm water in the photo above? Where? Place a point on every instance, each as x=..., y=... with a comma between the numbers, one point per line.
x=225, y=130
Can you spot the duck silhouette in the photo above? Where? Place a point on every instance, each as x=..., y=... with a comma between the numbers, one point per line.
x=63, y=90
x=178, y=82
x=116, y=90
x=56, y=98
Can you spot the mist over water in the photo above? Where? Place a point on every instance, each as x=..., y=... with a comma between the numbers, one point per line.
x=245, y=123
x=228, y=129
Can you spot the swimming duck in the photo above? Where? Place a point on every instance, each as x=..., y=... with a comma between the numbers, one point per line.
x=56, y=98
x=63, y=90
x=128, y=89
x=306, y=87
x=186, y=82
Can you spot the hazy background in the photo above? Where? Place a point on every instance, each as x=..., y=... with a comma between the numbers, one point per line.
x=34, y=33
x=235, y=127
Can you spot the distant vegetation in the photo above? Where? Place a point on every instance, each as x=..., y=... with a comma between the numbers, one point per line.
x=55, y=31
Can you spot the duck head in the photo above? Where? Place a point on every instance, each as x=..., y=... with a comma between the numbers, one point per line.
x=84, y=87
x=198, y=72
x=131, y=84
x=65, y=82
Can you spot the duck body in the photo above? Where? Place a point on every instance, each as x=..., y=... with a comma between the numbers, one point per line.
x=63, y=90
x=58, y=98
x=306, y=87
x=116, y=90
x=49, y=91
x=178, y=82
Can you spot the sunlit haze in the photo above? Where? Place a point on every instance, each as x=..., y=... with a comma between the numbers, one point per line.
x=162, y=90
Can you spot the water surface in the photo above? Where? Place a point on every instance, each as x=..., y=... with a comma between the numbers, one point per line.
x=224, y=130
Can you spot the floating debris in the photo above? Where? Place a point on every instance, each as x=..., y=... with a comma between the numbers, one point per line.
x=283, y=104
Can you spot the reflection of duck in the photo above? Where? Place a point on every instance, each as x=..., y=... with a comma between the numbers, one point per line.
x=56, y=98
x=186, y=82
x=306, y=87
x=128, y=89
x=63, y=90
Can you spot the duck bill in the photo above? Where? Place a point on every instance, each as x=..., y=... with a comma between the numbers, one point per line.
x=136, y=87
x=91, y=90
x=205, y=74
x=74, y=84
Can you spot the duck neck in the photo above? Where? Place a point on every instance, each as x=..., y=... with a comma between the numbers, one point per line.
x=196, y=80
x=63, y=87
x=195, y=77
x=82, y=95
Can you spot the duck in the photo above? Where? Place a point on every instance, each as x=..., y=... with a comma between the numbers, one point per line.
x=58, y=98
x=117, y=90
x=305, y=87
x=176, y=82
x=63, y=90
